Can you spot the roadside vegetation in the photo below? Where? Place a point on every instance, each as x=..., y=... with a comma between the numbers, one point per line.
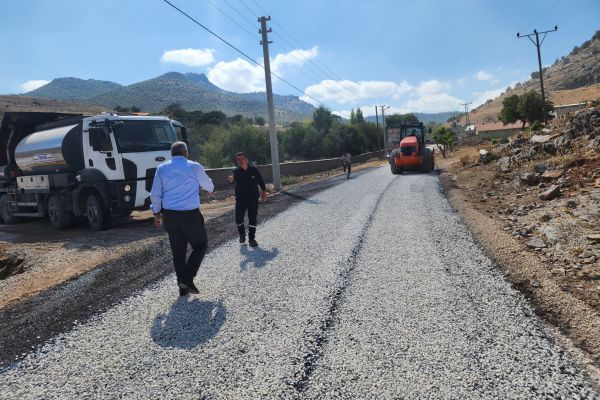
x=215, y=138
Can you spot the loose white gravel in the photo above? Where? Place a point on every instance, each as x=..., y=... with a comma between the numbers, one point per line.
x=371, y=289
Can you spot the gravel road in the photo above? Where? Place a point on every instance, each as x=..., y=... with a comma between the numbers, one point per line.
x=370, y=289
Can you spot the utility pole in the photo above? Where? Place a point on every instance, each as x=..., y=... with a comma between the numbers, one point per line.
x=466, y=104
x=538, y=45
x=383, y=108
x=377, y=122
x=269, y=86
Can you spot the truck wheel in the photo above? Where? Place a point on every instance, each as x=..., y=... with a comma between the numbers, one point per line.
x=6, y=213
x=96, y=213
x=59, y=217
x=395, y=169
x=427, y=164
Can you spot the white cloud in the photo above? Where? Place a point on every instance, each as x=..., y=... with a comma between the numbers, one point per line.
x=189, y=57
x=432, y=86
x=484, y=76
x=432, y=102
x=237, y=76
x=33, y=84
x=427, y=96
x=482, y=97
x=243, y=76
x=347, y=92
x=294, y=57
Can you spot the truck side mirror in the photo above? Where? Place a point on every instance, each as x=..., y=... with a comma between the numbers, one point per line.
x=100, y=140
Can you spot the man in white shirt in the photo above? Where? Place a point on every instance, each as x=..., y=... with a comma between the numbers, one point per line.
x=175, y=196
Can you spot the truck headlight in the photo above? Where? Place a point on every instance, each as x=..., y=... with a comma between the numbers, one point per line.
x=127, y=188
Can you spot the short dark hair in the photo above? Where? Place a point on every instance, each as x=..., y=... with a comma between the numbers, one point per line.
x=178, y=149
x=241, y=153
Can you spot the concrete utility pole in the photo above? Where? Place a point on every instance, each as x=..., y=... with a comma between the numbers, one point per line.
x=383, y=108
x=466, y=104
x=538, y=45
x=377, y=122
x=269, y=86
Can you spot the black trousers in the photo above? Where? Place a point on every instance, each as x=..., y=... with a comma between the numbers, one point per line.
x=243, y=204
x=186, y=227
x=347, y=167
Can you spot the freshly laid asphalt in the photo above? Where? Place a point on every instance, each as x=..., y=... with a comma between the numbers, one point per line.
x=371, y=289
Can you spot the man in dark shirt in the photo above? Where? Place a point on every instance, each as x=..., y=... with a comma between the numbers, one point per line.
x=247, y=179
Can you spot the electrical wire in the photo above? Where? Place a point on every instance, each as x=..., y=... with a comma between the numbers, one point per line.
x=238, y=50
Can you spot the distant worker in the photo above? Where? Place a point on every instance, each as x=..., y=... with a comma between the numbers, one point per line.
x=175, y=196
x=247, y=179
x=347, y=161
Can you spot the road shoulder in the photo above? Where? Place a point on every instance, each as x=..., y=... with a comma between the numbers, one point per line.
x=574, y=318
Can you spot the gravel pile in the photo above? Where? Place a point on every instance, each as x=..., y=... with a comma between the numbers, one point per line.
x=349, y=295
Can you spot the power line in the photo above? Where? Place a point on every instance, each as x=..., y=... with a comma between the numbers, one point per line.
x=320, y=68
x=538, y=45
x=238, y=50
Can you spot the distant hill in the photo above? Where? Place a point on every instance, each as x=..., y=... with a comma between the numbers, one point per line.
x=73, y=89
x=192, y=91
x=439, y=118
x=570, y=79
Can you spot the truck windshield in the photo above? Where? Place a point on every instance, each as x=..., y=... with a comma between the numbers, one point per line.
x=144, y=135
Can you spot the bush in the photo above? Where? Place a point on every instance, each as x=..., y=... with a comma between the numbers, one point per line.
x=536, y=126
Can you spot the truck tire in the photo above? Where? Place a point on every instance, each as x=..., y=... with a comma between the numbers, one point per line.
x=6, y=213
x=395, y=169
x=96, y=213
x=59, y=217
x=427, y=165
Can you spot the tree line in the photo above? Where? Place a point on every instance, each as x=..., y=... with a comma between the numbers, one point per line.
x=215, y=138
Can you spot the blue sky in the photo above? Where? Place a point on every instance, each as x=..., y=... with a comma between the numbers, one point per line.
x=424, y=55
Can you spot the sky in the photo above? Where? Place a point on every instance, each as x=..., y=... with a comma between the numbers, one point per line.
x=414, y=56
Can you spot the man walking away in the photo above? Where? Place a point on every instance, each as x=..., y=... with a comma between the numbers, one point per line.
x=247, y=179
x=175, y=196
x=347, y=161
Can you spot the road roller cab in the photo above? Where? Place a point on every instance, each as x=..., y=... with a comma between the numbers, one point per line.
x=412, y=153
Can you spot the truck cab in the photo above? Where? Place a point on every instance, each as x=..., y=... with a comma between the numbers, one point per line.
x=95, y=167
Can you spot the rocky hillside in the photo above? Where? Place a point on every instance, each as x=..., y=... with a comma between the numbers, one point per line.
x=571, y=79
x=192, y=91
x=73, y=89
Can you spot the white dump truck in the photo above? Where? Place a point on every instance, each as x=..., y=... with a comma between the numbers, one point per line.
x=65, y=166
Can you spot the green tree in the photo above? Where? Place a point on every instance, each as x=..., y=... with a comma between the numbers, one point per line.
x=526, y=108
x=323, y=119
x=134, y=109
x=444, y=138
x=511, y=112
x=260, y=121
x=533, y=109
x=396, y=120
x=213, y=151
x=352, y=116
x=359, y=116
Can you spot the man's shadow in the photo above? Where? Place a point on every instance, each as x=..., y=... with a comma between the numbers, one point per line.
x=256, y=257
x=189, y=323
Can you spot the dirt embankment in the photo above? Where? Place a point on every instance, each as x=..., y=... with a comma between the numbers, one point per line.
x=535, y=206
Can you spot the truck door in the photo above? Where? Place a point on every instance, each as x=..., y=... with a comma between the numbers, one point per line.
x=102, y=153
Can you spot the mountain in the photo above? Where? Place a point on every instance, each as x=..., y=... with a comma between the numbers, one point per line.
x=438, y=118
x=192, y=91
x=570, y=79
x=73, y=89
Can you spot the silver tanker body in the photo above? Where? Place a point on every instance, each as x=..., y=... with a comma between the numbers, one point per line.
x=51, y=151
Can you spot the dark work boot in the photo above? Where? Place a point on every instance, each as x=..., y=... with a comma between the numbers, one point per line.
x=189, y=287
x=242, y=232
